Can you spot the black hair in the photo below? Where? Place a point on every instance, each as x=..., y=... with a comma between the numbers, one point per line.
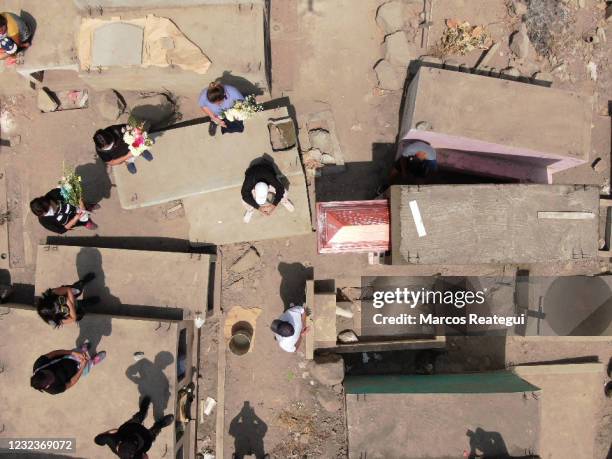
x=127, y=449
x=2, y=21
x=40, y=206
x=102, y=138
x=47, y=310
x=419, y=167
x=215, y=93
x=41, y=379
x=282, y=328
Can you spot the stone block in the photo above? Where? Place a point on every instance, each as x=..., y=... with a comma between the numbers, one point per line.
x=282, y=134
x=109, y=104
x=328, y=370
x=320, y=139
x=519, y=43
x=46, y=101
x=117, y=44
x=390, y=17
x=388, y=77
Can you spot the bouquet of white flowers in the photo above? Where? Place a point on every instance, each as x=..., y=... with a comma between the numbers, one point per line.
x=242, y=110
x=136, y=137
x=71, y=188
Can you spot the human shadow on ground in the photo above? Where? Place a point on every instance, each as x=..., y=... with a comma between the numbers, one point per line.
x=485, y=443
x=248, y=431
x=293, y=283
x=241, y=84
x=151, y=380
x=94, y=326
x=96, y=181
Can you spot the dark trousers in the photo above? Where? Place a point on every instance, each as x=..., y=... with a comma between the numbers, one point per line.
x=232, y=126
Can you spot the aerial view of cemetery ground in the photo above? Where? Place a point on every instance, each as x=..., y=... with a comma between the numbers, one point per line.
x=305, y=229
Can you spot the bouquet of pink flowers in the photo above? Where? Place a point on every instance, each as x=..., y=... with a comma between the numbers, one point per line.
x=136, y=137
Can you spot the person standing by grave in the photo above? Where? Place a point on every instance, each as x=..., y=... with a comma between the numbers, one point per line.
x=58, y=216
x=415, y=162
x=263, y=191
x=59, y=306
x=214, y=100
x=113, y=150
x=132, y=440
x=289, y=328
x=57, y=371
x=14, y=35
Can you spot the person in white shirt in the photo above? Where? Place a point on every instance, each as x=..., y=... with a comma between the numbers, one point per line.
x=289, y=328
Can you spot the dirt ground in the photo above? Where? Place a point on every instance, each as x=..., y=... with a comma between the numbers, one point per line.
x=323, y=54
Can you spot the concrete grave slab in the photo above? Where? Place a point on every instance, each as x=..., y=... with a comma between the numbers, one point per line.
x=216, y=218
x=436, y=425
x=572, y=396
x=110, y=392
x=472, y=224
x=189, y=162
x=117, y=44
x=124, y=278
x=475, y=119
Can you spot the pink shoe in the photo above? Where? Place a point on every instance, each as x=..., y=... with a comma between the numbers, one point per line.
x=99, y=357
x=91, y=225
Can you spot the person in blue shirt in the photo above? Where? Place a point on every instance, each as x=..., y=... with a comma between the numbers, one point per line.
x=214, y=100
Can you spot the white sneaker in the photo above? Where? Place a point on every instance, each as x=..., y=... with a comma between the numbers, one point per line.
x=248, y=214
x=288, y=205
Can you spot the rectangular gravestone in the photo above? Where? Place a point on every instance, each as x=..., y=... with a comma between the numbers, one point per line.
x=127, y=278
x=473, y=224
x=189, y=162
x=117, y=44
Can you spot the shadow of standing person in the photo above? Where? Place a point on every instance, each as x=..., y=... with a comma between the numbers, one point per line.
x=94, y=327
x=248, y=431
x=151, y=381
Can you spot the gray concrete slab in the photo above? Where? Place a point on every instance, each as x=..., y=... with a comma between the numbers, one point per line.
x=436, y=425
x=129, y=277
x=117, y=44
x=216, y=218
x=189, y=162
x=54, y=44
x=472, y=224
x=478, y=114
x=570, y=403
x=101, y=401
x=235, y=47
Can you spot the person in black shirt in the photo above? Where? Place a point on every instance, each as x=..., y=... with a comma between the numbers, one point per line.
x=59, y=306
x=57, y=371
x=113, y=150
x=263, y=191
x=132, y=440
x=56, y=215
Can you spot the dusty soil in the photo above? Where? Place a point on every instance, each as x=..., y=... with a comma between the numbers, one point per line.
x=323, y=58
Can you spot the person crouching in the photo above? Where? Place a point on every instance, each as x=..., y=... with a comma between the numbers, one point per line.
x=263, y=191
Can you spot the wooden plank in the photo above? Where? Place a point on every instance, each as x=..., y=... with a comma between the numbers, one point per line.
x=566, y=215
x=310, y=307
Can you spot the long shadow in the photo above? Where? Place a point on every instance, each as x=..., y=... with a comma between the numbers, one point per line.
x=157, y=244
x=248, y=431
x=94, y=327
x=14, y=293
x=158, y=116
x=96, y=180
x=293, y=283
x=151, y=380
x=241, y=84
x=266, y=158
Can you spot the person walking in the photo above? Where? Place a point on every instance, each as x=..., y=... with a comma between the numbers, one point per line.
x=132, y=440
x=214, y=100
x=113, y=150
x=57, y=371
x=289, y=328
x=58, y=216
x=263, y=191
x=59, y=306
